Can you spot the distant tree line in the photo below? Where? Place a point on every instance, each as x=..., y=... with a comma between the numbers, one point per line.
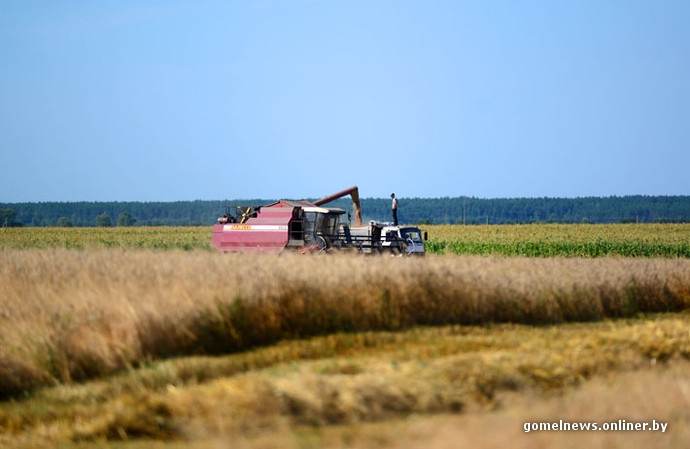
x=470, y=210
x=458, y=210
x=88, y=214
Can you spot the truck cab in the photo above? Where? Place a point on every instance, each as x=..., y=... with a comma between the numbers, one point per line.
x=406, y=239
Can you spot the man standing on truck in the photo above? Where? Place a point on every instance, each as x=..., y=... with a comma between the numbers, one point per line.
x=394, y=206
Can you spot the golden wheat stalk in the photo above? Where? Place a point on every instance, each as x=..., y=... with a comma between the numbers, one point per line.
x=70, y=315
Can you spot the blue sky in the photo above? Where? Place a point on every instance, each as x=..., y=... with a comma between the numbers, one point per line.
x=180, y=100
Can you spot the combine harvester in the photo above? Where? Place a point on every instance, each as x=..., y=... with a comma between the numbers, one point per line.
x=305, y=226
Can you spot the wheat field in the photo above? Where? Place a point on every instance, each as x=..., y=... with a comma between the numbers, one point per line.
x=74, y=315
x=126, y=346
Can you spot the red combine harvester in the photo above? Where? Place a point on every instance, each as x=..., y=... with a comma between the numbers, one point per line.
x=309, y=226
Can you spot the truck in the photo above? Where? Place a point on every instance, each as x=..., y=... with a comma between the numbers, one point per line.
x=309, y=226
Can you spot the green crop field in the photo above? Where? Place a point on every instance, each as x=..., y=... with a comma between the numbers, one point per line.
x=146, y=337
x=546, y=240
x=145, y=237
x=538, y=240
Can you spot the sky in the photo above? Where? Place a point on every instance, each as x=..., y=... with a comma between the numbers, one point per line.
x=178, y=100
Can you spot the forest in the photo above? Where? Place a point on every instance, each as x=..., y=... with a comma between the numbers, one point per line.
x=446, y=210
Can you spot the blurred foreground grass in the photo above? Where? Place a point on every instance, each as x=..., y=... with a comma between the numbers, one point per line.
x=288, y=394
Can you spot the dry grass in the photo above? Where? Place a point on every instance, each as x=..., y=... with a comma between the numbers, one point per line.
x=638, y=396
x=336, y=340
x=382, y=378
x=74, y=315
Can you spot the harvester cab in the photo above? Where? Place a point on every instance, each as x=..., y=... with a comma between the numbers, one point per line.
x=321, y=227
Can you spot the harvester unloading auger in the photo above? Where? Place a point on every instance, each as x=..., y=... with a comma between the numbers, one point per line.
x=354, y=194
x=306, y=226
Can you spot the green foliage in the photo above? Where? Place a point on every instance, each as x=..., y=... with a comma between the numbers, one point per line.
x=125, y=219
x=64, y=222
x=553, y=249
x=476, y=211
x=8, y=218
x=103, y=220
x=563, y=240
x=467, y=210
